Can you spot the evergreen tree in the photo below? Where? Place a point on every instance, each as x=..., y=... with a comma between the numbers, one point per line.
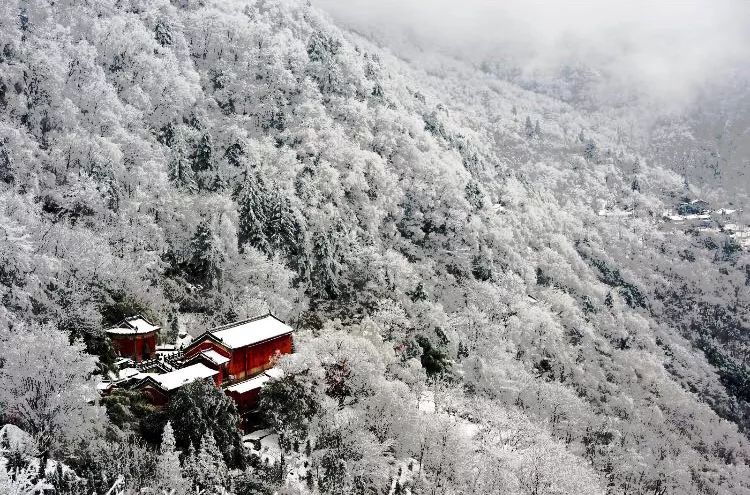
x=253, y=210
x=590, y=150
x=180, y=168
x=234, y=154
x=204, y=153
x=168, y=473
x=529, y=127
x=206, y=258
x=204, y=164
x=206, y=466
x=201, y=407
x=163, y=32
x=325, y=269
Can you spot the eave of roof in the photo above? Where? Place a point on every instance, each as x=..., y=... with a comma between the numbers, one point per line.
x=227, y=333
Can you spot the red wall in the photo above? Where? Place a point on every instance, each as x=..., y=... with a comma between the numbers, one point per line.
x=253, y=359
x=247, y=401
x=155, y=396
x=207, y=345
x=132, y=346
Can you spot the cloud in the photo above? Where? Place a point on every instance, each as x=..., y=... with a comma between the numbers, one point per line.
x=667, y=48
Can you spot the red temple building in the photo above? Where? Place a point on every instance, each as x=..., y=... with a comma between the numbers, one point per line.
x=239, y=357
x=242, y=349
x=159, y=387
x=134, y=338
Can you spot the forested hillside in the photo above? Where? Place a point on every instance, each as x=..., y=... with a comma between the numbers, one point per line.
x=466, y=322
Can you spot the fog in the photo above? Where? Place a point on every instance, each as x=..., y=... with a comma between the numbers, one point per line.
x=666, y=49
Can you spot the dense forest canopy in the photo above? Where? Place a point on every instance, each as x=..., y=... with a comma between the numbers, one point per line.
x=430, y=232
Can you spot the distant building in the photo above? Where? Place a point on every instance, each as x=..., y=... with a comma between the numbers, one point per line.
x=242, y=349
x=160, y=387
x=246, y=394
x=134, y=338
x=238, y=357
x=725, y=212
x=694, y=207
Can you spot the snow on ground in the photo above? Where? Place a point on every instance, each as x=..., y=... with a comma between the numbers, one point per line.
x=427, y=402
x=18, y=441
x=265, y=444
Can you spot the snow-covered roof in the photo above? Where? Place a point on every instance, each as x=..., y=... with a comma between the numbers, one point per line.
x=248, y=385
x=215, y=357
x=257, y=434
x=123, y=362
x=122, y=331
x=614, y=213
x=177, y=378
x=247, y=332
x=275, y=372
x=126, y=373
x=256, y=382
x=133, y=325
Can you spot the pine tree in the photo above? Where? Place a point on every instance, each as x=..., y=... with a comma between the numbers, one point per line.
x=275, y=222
x=207, y=465
x=253, y=216
x=203, y=162
x=590, y=150
x=325, y=271
x=163, y=32
x=282, y=228
x=180, y=169
x=635, y=186
x=608, y=300
x=203, y=153
x=537, y=129
x=529, y=127
x=201, y=407
x=234, y=154
x=205, y=258
x=168, y=472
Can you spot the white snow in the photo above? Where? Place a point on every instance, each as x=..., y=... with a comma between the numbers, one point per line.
x=126, y=373
x=249, y=332
x=215, y=357
x=275, y=373
x=257, y=435
x=122, y=331
x=427, y=402
x=183, y=376
x=183, y=340
x=133, y=325
x=614, y=213
x=248, y=385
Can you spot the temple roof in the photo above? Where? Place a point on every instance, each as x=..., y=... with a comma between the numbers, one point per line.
x=252, y=331
x=133, y=325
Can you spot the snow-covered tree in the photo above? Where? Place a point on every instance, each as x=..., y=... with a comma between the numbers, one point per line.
x=48, y=386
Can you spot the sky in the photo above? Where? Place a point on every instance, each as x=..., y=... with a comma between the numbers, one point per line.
x=668, y=49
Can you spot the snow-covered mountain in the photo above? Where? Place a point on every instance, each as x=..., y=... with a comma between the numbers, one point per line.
x=432, y=229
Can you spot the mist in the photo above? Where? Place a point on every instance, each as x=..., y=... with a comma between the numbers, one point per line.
x=664, y=51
